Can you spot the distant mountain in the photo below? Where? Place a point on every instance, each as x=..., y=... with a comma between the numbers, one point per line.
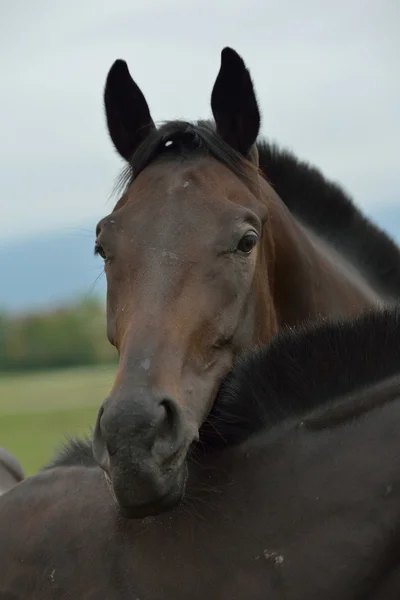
x=57, y=267
x=49, y=269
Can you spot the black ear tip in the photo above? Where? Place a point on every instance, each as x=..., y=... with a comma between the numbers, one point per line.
x=229, y=57
x=120, y=65
x=118, y=70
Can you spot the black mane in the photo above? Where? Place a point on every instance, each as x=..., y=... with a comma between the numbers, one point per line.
x=75, y=452
x=317, y=202
x=328, y=210
x=303, y=368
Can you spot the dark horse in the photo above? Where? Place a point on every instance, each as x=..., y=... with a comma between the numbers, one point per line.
x=293, y=490
x=204, y=259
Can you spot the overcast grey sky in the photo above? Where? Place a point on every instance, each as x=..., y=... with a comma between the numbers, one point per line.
x=326, y=74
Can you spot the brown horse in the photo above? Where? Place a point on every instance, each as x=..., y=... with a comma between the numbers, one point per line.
x=302, y=502
x=203, y=259
x=11, y=471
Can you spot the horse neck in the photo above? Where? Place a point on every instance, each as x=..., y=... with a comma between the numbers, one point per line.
x=303, y=281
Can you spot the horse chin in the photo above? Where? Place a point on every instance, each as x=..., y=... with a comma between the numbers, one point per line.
x=171, y=497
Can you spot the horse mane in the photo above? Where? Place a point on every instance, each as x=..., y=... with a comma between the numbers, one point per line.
x=330, y=212
x=303, y=368
x=74, y=452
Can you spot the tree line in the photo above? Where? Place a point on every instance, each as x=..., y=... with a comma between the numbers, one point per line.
x=69, y=336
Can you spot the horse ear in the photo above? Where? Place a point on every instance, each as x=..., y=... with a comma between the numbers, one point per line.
x=234, y=103
x=128, y=115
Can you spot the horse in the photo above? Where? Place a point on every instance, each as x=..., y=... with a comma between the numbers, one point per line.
x=217, y=242
x=11, y=471
x=293, y=489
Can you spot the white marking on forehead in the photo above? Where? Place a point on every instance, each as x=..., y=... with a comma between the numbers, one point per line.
x=186, y=184
x=168, y=143
x=145, y=364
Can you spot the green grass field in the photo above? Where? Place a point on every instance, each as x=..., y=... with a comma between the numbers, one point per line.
x=37, y=410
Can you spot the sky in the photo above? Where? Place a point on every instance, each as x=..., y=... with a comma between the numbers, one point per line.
x=326, y=76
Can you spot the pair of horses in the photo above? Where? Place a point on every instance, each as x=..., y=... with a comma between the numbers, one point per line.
x=219, y=244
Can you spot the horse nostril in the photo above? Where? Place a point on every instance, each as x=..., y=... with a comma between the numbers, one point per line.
x=169, y=423
x=170, y=432
x=99, y=446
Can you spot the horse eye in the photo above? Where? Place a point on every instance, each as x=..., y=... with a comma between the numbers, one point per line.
x=98, y=249
x=248, y=242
